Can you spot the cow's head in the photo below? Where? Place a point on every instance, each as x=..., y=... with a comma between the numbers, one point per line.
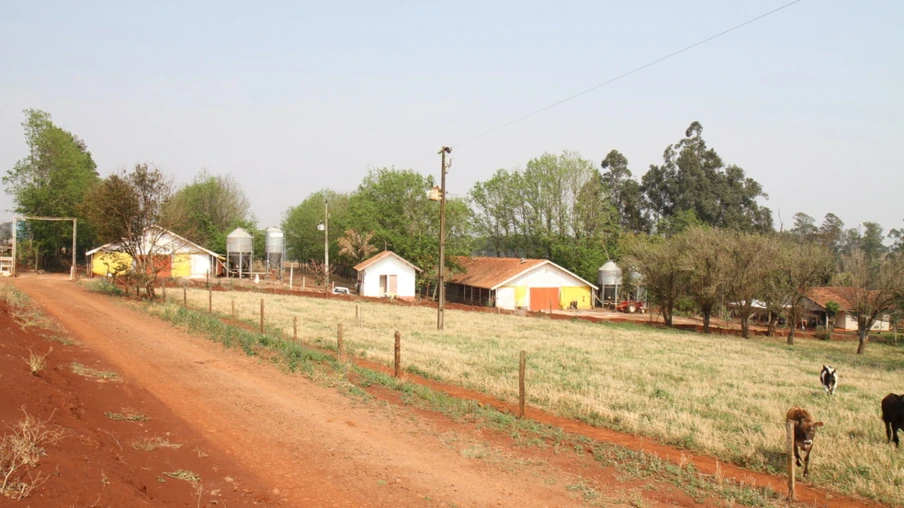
x=806, y=430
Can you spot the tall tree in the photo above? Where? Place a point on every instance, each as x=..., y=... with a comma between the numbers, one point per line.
x=831, y=233
x=694, y=178
x=52, y=180
x=355, y=246
x=212, y=206
x=804, y=227
x=127, y=208
x=625, y=191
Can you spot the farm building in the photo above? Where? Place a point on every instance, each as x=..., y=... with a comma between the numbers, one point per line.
x=180, y=257
x=845, y=297
x=513, y=283
x=387, y=274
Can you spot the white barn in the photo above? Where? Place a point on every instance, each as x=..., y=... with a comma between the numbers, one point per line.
x=515, y=283
x=179, y=257
x=387, y=275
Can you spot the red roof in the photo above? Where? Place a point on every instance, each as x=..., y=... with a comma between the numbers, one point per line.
x=490, y=273
x=386, y=253
x=843, y=296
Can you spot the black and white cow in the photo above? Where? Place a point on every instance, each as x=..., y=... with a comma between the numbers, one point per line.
x=893, y=416
x=829, y=378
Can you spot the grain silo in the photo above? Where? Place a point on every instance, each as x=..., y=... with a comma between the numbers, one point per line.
x=274, y=248
x=609, y=279
x=239, y=250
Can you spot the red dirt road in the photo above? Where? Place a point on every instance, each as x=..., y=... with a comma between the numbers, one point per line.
x=308, y=445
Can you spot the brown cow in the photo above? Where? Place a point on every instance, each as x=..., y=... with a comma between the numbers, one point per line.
x=804, y=431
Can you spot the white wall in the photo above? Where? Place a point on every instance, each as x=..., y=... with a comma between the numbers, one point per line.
x=846, y=321
x=546, y=276
x=200, y=265
x=390, y=265
x=505, y=298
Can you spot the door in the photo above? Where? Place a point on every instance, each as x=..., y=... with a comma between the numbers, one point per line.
x=544, y=298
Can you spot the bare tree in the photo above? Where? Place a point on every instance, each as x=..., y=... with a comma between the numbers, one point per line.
x=663, y=269
x=706, y=260
x=749, y=260
x=126, y=210
x=873, y=288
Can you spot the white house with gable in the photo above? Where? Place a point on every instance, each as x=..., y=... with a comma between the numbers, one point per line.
x=387, y=275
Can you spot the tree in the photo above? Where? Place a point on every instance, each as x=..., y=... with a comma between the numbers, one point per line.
x=872, y=289
x=694, y=178
x=804, y=227
x=303, y=240
x=625, y=191
x=663, y=270
x=126, y=208
x=355, y=246
x=209, y=208
x=393, y=204
x=750, y=258
x=831, y=233
x=706, y=257
x=52, y=180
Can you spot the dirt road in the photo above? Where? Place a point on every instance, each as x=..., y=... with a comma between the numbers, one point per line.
x=310, y=444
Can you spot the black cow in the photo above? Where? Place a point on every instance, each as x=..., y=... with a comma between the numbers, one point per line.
x=804, y=432
x=829, y=379
x=893, y=416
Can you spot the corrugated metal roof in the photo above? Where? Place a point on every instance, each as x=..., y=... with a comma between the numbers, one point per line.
x=386, y=253
x=490, y=273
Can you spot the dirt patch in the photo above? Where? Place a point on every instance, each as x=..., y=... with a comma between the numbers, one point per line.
x=104, y=461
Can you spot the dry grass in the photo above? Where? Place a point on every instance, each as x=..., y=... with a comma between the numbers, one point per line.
x=127, y=415
x=37, y=362
x=84, y=371
x=721, y=395
x=183, y=474
x=21, y=451
x=150, y=444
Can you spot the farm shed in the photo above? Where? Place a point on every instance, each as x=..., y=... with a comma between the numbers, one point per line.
x=387, y=274
x=846, y=298
x=179, y=256
x=517, y=283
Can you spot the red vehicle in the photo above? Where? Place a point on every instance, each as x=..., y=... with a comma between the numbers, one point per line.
x=630, y=306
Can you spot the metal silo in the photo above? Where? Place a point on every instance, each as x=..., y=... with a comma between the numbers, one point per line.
x=239, y=250
x=274, y=248
x=609, y=278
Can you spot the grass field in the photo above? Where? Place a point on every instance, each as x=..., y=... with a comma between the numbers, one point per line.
x=720, y=395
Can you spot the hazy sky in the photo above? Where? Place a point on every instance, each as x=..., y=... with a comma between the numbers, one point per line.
x=292, y=97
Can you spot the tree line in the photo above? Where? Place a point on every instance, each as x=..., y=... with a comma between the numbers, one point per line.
x=693, y=214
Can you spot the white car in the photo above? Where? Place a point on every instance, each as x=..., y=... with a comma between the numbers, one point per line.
x=339, y=290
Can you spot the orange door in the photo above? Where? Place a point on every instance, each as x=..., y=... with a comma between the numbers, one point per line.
x=544, y=298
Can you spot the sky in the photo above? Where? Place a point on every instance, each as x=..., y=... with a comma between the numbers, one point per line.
x=292, y=97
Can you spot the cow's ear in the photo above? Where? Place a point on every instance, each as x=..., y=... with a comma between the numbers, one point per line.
x=817, y=424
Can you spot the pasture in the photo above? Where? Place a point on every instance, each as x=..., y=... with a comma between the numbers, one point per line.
x=720, y=395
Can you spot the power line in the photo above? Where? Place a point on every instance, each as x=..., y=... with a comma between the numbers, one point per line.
x=621, y=76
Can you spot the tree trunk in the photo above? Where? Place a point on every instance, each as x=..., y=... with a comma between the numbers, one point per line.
x=773, y=322
x=667, y=313
x=793, y=318
x=863, y=333
x=791, y=335
x=745, y=323
x=707, y=314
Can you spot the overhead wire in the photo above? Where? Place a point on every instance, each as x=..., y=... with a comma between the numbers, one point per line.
x=622, y=76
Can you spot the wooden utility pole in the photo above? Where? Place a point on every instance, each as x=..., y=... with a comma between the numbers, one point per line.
x=442, y=239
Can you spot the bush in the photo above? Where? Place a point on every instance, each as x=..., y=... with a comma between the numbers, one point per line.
x=823, y=334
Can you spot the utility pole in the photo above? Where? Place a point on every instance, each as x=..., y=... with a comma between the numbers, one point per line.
x=442, y=239
x=326, y=246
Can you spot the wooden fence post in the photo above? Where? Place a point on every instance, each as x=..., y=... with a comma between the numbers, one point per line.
x=291, y=275
x=262, y=315
x=210, y=300
x=398, y=354
x=233, y=310
x=184, y=297
x=341, y=347
x=789, y=430
x=295, y=328
x=358, y=314
x=163, y=289
x=521, y=395
x=303, y=281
